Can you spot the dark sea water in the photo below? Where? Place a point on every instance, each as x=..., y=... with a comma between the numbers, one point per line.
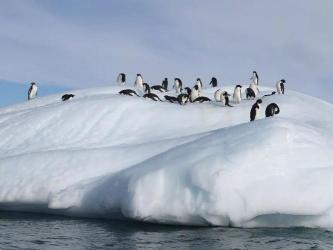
x=35, y=231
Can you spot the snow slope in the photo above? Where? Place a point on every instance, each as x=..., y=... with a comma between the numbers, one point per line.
x=111, y=156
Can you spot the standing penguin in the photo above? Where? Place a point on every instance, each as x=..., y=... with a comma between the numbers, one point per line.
x=178, y=85
x=225, y=98
x=194, y=93
x=255, y=110
x=138, y=82
x=217, y=95
x=272, y=109
x=199, y=83
x=165, y=84
x=280, y=86
x=213, y=82
x=32, y=93
x=121, y=79
x=255, y=78
x=238, y=94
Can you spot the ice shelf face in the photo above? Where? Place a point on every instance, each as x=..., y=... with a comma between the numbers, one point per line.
x=105, y=155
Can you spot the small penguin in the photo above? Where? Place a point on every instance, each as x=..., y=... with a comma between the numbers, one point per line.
x=150, y=95
x=138, y=82
x=213, y=82
x=237, y=94
x=158, y=88
x=66, y=97
x=250, y=93
x=165, y=84
x=255, y=110
x=273, y=93
x=255, y=78
x=217, y=95
x=121, y=79
x=178, y=85
x=194, y=93
x=32, y=93
x=280, y=86
x=199, y=83
x=272, y=109
x=171, y=99
x=129, y=92
x=225, y=98
x=182, y=99
x=201, y=99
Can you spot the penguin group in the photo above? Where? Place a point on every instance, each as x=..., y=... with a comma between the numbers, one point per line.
x=192, y=95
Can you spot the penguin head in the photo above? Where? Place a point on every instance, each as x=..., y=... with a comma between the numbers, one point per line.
x=282, y=80
x=259, y=101
x=254, y=72
x=239, y=86
x=138, y=74
x=196, y=87
x=188, y=90
x=33, y=83
x=225, y=93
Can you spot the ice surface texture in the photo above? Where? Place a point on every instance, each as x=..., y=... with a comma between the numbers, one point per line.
x=105, y=155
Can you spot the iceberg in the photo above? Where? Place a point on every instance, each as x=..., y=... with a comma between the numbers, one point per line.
x=102, y=155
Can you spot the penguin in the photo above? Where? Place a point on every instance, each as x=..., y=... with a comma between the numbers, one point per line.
x=250, y=93
x=255, y=110
x=158, y=87
x=182, y=99
x=150, y=95
x=217, y=95
x=237, y=94
x=280, y=86
x=213, y=82
x=165, y=84
x=171, y=99
x=273, y=93
x=194, y=93
x=138, y=82
x=272, y=109
x=225, y=98
x=199, y=83
x=201, y=99
x=121, y=79
x=255, y=78
x=66, y=97
x=129, y=92
x=188, y=91
x=32, y=93
x=178, y=85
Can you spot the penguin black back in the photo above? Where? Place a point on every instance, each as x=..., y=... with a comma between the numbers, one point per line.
x=272, y=109
x=66, y=97
x=254, y=110
x=165, y=84
x=250, y=93
x=129, y=92
x=213, y=82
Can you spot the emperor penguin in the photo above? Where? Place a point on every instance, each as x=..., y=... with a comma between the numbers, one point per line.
x=280, y=86
x=121, y=79
x=217, y=95
x=32, y=93
x=213, y=82
x=255, y=110
x=178, y=85
x=255, y=78
x=194, y=93
x=237, y=94
x=199, y=83
x=138, y=82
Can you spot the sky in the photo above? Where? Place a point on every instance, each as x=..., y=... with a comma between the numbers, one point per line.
x=81, y=43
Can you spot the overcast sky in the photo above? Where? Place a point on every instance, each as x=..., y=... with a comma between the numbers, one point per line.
x=87, y=43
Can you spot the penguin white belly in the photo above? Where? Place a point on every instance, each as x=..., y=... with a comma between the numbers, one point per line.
x=194, y=94
x=278, y=88
x=33, y=92
x=237, y=96
x=217, y=95
x=254, y=88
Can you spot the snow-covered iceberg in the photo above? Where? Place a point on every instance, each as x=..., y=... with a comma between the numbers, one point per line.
x=105, y=155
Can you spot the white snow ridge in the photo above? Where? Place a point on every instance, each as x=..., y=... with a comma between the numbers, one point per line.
x=110, y=156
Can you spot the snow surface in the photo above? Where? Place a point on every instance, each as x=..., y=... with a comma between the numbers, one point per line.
x=105, y=155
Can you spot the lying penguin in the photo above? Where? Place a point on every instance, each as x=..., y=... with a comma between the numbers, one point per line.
x=66, y=97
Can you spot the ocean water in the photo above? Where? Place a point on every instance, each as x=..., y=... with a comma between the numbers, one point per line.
x=36, y=231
